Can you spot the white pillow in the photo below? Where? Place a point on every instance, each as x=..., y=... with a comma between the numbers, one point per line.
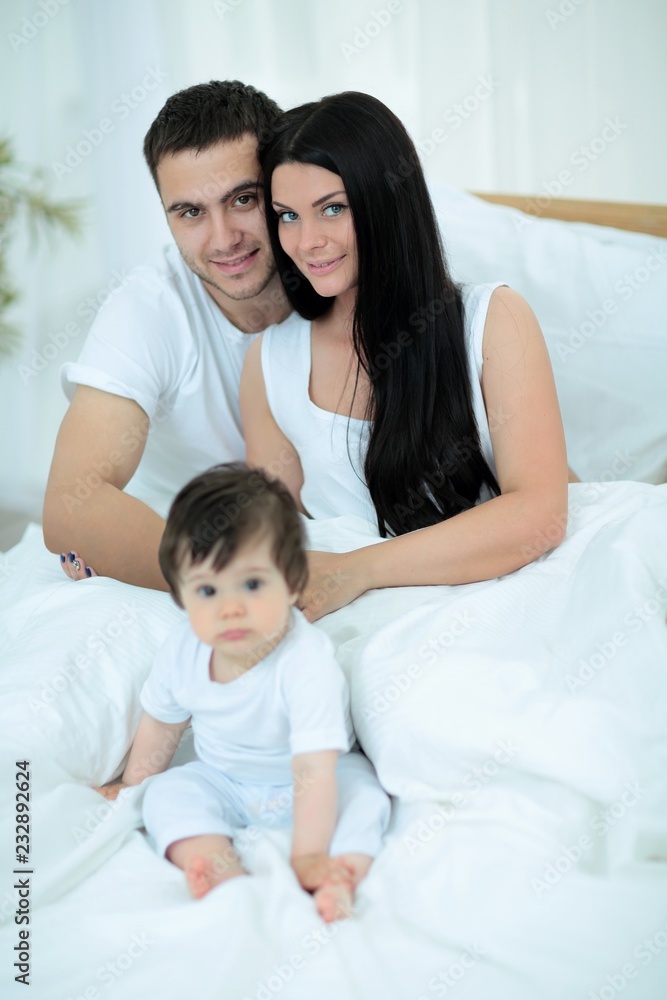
x=600, y=295
x=73, y=659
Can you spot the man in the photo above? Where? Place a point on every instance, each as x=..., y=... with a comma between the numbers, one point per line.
x=154, y=394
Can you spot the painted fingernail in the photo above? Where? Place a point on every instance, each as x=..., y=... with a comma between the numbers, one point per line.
x=62, y=557
x=87, y=570
x=70, y=556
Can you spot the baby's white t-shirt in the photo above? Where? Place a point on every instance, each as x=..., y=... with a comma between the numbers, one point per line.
x=295, y=700
x=162, y=341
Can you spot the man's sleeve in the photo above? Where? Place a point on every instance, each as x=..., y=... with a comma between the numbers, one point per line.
x=135, y=347
x=316, y=696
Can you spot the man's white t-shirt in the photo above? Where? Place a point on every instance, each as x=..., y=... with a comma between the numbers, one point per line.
x=296, y=700
x=162, y=341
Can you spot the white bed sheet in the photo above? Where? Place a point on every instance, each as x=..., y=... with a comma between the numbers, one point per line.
x=519, y=862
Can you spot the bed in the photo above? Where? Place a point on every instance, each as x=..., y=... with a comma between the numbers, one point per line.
x=520, y=724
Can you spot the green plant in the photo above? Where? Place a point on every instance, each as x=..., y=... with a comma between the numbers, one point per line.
x=23, y=198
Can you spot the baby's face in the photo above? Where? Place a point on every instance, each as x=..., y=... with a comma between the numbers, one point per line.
x=242, y=610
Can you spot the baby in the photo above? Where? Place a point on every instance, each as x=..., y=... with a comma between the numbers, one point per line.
x=268, y=702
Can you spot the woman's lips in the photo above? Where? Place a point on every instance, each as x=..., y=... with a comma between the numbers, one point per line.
x=238, y=265
x=325, y=267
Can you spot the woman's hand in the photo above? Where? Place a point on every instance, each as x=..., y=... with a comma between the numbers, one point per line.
x=334, y=580
x=74, y=567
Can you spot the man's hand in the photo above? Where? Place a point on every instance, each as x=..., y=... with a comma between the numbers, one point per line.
x=312, y=870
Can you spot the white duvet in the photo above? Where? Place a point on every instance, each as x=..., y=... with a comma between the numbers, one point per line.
x=521, y=724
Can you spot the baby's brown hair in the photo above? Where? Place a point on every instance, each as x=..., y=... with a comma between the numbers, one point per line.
x=217, y=512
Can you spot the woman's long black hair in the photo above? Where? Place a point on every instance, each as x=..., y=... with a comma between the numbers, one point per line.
x=424, y=462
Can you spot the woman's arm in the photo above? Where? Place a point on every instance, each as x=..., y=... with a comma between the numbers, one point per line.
x=502, y=534
x=266, y=445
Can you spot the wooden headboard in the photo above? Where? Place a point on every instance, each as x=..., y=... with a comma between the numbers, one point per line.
x=638, y=218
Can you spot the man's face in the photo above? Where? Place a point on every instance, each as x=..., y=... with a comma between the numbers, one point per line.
x=215, y=215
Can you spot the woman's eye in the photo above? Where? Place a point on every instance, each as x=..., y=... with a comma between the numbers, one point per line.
x=334, y=210
x=287, y=216
x=254, y=584
x=206, y=590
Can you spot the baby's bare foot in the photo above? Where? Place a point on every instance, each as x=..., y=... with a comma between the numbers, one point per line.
x=334, y=900
x=203, y=874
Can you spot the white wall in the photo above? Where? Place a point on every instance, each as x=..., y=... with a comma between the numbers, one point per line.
x=503, y=96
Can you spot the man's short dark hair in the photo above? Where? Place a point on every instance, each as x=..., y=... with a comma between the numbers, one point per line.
x=219, y=511
x=201, y=116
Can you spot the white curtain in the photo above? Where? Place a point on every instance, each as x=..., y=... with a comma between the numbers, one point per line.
x=511, y=95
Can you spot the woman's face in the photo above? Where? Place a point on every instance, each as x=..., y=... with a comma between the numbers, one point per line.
x=315, y=226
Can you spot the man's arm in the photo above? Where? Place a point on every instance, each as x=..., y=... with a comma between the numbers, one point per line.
x=99, y=446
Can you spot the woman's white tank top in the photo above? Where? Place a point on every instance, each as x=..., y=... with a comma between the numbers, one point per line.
x=332, y=446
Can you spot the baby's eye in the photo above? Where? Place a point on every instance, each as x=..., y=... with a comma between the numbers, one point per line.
x=254, y=584
x=206, y=590
x=334, y=210
x=287, y=216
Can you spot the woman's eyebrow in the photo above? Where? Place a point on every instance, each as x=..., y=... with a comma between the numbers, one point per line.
x=326, y=198
x=319, y=201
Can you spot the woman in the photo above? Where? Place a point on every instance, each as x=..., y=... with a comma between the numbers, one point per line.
x=363, y=398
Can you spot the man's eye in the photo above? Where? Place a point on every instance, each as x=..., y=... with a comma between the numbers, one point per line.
x=206, y=590
x=254, y=584
x=287, y=216
x=244, y=200
x=191, y=213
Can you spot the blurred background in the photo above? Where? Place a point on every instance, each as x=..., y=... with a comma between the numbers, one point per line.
x=499, y=95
